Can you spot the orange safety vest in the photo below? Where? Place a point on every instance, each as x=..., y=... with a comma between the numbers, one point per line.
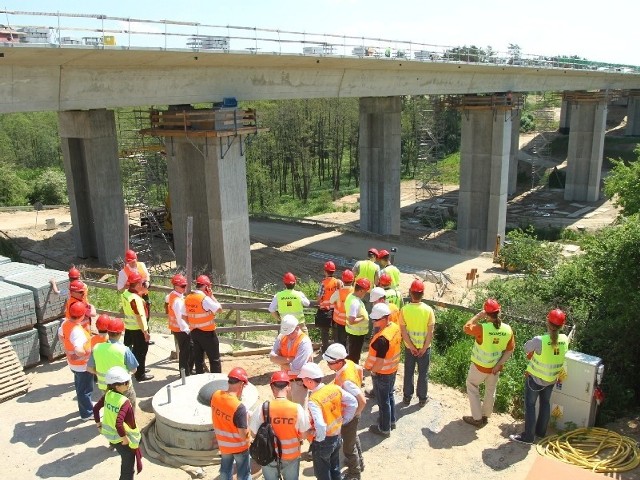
x=139, y=268
x=97, y=339
x=329, y=399
x=197, y=316
x=173, y=323
x=391, y=360
x=350, y=372
x=284, y=420
x=223, y=408
x=329, y=285
x=72, y=356
x=339, y=313
x=290, y=349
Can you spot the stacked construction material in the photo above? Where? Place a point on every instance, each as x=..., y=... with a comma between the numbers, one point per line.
x=13, y=381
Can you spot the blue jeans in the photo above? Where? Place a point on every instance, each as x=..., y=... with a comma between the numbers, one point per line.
x=290, y=470
x=326, y=458
x=533, y=392
x=243, y=465
x=383, y=388
x=83, y=382
x=410, y=362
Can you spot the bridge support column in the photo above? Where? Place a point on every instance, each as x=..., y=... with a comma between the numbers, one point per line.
x=484, y=175
x=633, y=114
x=90, y=154
x=565, y=116
x=513, y=152
x=379, y=150
x=208, y=181
x=586, y=146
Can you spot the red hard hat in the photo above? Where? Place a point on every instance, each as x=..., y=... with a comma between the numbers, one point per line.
x=556, y=317
x=329, y=267
x=102, y=323
x=116, y=325
x=130, y=256
x=134, y=278
x=179, y=280
x=417, y=286
x=384, y=280
x=374, y=251
x=77, y=309
x=280, y=376
x=363, y=283
x=491, y=305
x=383, y=253
x=239, y=374
x=289, y=278
x=76, y=286
x=347, y=276
x=74, y=273
x=203, y=280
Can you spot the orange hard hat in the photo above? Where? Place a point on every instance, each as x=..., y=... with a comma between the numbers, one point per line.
x=383, y=253
x=77, y=286
x=384, y=280
x=77, y=309
x=557, y=317
x=491, y=305
x=74, y=273
x=347, y=276
x=116, y=325
x=329, y=266
x=102, y=322
x=280, y=376
x=134, y=278
x=203, y=280
x=417, y=286
x=130, y=256
x=239, y=374
x=179, y=280
x=289, y=278
x=373, y=251
x=363, y=283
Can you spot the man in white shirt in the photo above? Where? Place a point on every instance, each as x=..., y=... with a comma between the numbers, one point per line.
x=174, y=307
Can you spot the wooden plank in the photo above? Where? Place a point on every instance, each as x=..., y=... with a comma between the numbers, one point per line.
x=13, y=381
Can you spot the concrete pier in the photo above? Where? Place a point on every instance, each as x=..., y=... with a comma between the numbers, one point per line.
x=565, y=117
x=633, y=114
x=586, y=146
x=379, y=150
x=207, y=181
x=90, y=154
x=513, y=152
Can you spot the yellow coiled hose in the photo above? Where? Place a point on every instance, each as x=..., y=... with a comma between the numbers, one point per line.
x=596, y=449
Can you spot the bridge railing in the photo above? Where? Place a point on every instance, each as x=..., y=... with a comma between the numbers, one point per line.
x=108, y=32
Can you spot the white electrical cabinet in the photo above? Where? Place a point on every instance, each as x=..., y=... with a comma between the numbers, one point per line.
x=572, y=401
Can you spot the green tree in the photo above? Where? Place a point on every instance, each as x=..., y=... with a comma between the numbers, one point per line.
x=13, y=189
x=623, y=185
x=50, y=188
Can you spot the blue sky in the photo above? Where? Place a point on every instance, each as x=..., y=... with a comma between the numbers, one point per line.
x=544, y=27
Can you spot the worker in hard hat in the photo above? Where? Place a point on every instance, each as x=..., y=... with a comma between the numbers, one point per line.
x=175, y=309
x=417, y=322
x=291, y=350
x=379, y=295
x=546, y=356
x=391, y=294
x=118, y=423
x=382, y=361
x=102, y=326
x=77, y=293
x=324, y=315
x=329, y=407
x=201, y=308
x=113, y=353
x=493, y=346
x=349, y=377
x=384, y=261
x=136, y=335
x=77, y=348
x=290, y=423
x=231, y=426
x=370, y=270
x=74, y=274
x=338, y=332
x=131, y=266
x=289, y=301
x=357, y=326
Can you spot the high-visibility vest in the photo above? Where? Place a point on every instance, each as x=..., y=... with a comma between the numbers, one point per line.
x=416, y=318
x=113, y=402
x=391, y=360
x=494, y=342
x=368, y=269
x=284, y=420
x=223, y=408
x=107, y=355
x=289, y=303
x=173, y=323
x=130, y=322
x=395, y=313
x=329, y=399
x=547, y=365
x=197, y=316
x=72, y=356
x=394, y=273
x=350, y=372
x=97, y=340
x=290, y=349
x=329, y=285
x=361, y=328
x=339, y=314
x=393, y=297
x=85, y=322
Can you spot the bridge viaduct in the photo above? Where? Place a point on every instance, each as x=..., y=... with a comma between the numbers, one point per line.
x=209, y=184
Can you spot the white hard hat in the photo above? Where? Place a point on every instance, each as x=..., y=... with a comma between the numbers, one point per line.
x=310, y=370
x=116, y=375
x=334, y=352
x=376, y=294
x=288, y=325
x=380, y=310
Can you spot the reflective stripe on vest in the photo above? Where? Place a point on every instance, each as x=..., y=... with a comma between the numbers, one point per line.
x=394, y=273
x=223, y=408
x=351, y=373
x=548, y=364
x=391, y=360
x=72, y=356
x=339, y=314
x=173, y=323
x=130, y=317
x=289, y=302
x=197, y=316
x=368, y=269
x=284, y=419
x=360, y=328
x=289, y=348
x=107, y=355
x=329, y=399
x=113, y=402
x=329, y=285
x=494, y=342
x=416, y=318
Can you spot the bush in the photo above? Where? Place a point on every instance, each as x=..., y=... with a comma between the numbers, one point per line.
x=13, y=189
x=50, y=188
x=524, y=253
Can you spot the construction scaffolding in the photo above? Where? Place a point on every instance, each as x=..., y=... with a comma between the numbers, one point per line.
x=546, y=127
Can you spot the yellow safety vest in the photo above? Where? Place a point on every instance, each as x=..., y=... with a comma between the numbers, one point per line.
x=350, y=372
x=329, y=399
x=108, y=355
x=113, y=402
x=361, y=328
x=547, y=365
x=393, y=297
x=289, y=302
x=368, y=269
x=130, y=322
x=416, y=318
x=494, y=342
x=394, y=273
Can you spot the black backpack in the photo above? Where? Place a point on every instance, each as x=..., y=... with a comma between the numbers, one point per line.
x=266, y=447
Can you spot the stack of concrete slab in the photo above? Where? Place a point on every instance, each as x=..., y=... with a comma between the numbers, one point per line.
x=9, y=269
x=50, y=345
x=27, y=346
x=49, y=306
x=17, y=309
